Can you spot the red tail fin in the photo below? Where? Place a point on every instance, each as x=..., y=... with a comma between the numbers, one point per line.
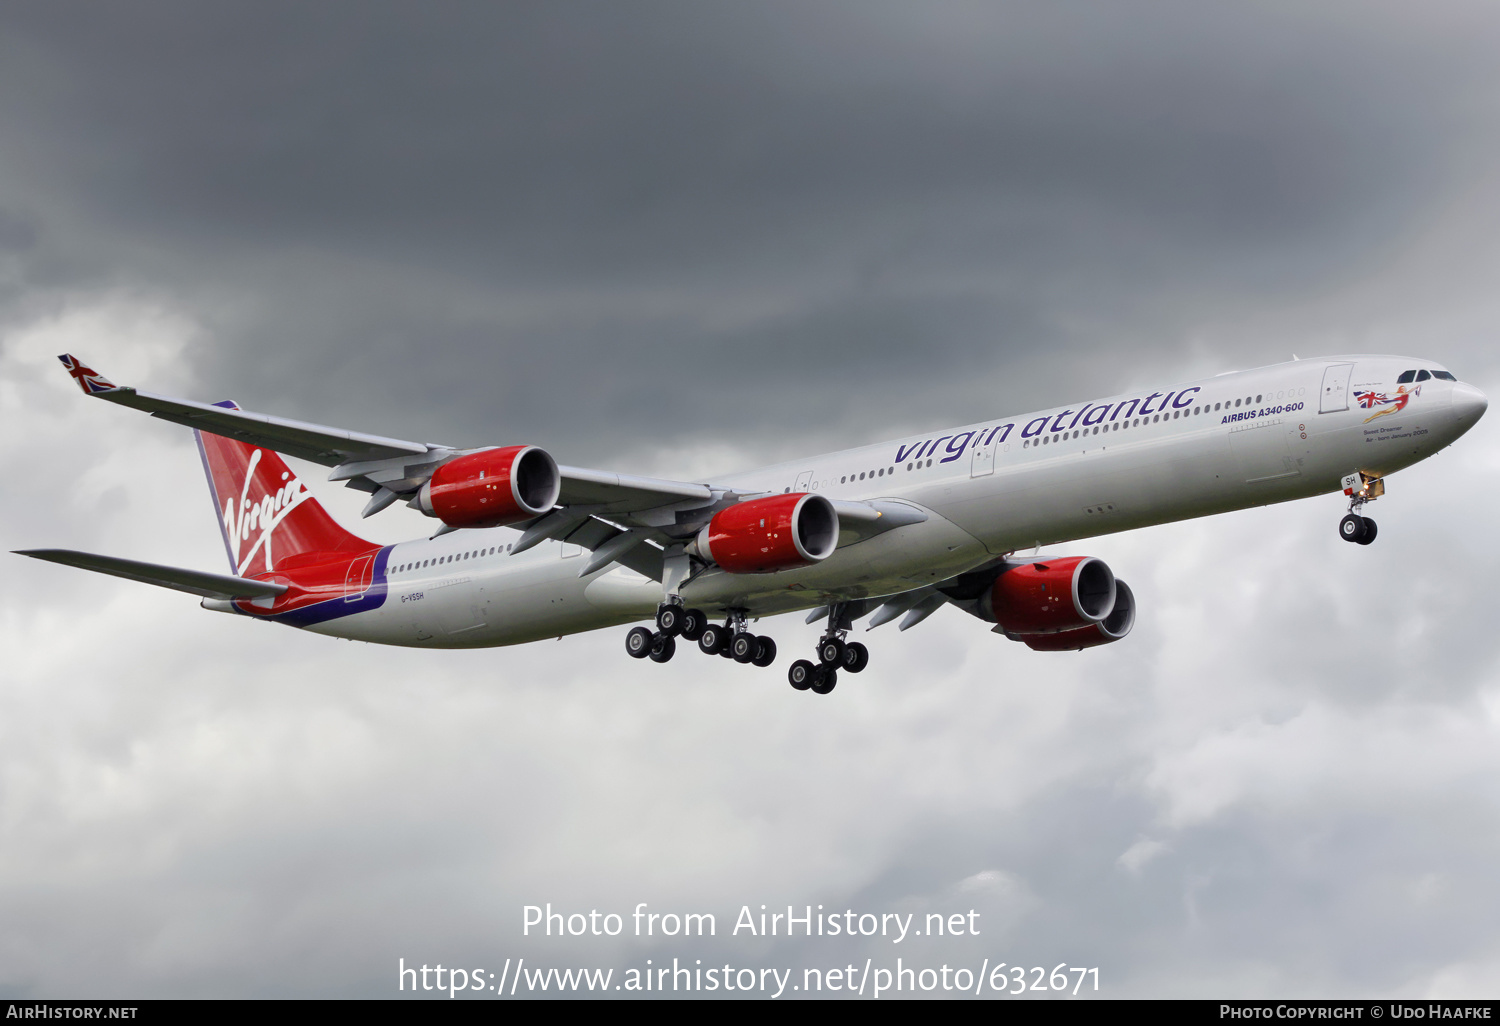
x=269, y=518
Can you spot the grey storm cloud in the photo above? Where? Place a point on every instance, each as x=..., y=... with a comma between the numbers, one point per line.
x=673, y=238
x=748, y=214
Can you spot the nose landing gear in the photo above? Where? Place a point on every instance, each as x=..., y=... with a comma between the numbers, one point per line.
x=1361, y=488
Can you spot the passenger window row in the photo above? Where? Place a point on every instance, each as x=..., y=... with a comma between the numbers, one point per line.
x=424, y=563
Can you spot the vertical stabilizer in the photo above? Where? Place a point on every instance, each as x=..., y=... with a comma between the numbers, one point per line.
x=268, y=516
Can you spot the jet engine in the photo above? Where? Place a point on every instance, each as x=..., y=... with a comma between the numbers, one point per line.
x=1050, y=597
x=492, y=488
x=1112, y=628
x=760, y=536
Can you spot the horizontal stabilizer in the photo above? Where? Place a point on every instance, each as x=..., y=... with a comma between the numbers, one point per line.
x=194, y=582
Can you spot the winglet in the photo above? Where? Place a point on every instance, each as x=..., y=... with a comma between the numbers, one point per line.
x=90, y=380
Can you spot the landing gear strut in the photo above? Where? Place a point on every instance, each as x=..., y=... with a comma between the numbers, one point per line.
x=1361, y=488
x=834, y=654
x=673, y=620
x=730, y=639
x=733, y=641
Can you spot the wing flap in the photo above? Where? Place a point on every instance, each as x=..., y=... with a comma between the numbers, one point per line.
x=194, y=582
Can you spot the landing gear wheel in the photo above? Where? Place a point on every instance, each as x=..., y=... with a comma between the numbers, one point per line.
x=824, y=680
x=639, y=641
x=1370, y=531
x=664, y=649
x=856, y=657
x=831, y=652
x=765, y=652
x=1352, y=528
x=693, y=623
x=669, y=619
x=742, y=647
x=713, y=639
x=801, y=674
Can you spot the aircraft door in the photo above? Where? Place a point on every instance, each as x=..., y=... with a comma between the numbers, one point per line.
x=357, y=580
x=1335, y=395
x=804, y=481
x=984, y=461
x=461, y=607
x=1263, y=450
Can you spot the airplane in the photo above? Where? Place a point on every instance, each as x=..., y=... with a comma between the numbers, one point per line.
x=524, y=548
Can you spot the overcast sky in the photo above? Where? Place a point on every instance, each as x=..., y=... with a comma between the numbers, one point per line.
x=685, y=238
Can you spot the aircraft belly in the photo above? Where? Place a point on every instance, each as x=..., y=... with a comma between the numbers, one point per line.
x=1087, y=493
x=622, y=592
x=485, y=608
x=896, y=561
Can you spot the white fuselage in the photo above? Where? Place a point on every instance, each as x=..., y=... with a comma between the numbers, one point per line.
x=1243, y=439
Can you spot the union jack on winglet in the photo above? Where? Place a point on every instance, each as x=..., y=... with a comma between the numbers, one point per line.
x=90, y=380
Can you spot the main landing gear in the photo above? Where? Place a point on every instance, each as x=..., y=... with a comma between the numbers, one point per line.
x=729, y=639
x=834, y=654
x=1361, y=488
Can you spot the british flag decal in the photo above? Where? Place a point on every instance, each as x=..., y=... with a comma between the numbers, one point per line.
x=90, y=380
x=1397, y=402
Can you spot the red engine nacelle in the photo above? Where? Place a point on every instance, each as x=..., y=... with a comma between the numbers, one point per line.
x=782, y=532
x=1050, y=597
x=492, y=488
x=1112, y=628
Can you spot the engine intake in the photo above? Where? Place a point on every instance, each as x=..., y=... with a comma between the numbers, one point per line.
x=492, y=488
x=1112, y=628
x=761, y=536
x=1051, y=596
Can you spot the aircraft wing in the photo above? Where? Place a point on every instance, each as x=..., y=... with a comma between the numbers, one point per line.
x=194, y=582
x=625, y=491
x=312, y=442
x=593, y=507
x=368, y=462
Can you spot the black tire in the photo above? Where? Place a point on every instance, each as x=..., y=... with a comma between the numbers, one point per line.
x=827, y=680
x=856, y=657
x=639, y=641
x=712, y=639
x=742, y=647
x=765, y=652
x=669, y=619
x=1352, y=528
x=664, y=649
x=831, y=652
x=693, y=623
x=1370, y=531
x=801, y=674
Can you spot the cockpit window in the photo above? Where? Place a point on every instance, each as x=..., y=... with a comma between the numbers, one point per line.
x=1423, y=375
x=1407, y=377
x=1443, y=376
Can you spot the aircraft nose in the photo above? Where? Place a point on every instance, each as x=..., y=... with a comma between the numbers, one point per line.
x=1469, y=403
